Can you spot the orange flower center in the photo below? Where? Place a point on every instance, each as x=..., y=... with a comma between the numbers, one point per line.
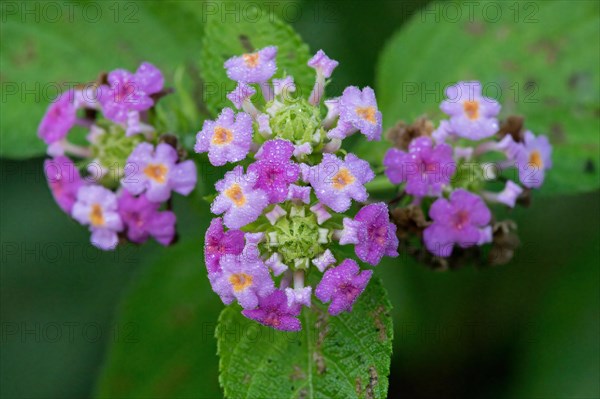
x=367, y=113
x=96, y=215
x=342, y=179
x=251, y=60
x=535, y=158
x=240, y=281
x=471, y=109
x=236, y=194
x=156, y=172
x=222, y=136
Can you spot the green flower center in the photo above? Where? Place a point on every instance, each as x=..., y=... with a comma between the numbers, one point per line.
x=296, y=237
x=111, y=149
x=298, y=121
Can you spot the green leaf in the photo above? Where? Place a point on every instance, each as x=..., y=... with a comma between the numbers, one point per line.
x=227, y=35
x=347, y=356
x=44, y=54
x=539, y=59
x=171, y=351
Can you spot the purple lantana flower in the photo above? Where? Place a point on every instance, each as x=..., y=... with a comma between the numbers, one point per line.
x=337, y=182
x=425, y=168
x=472, y=116
x=59, y=118
x=130, y=92
x=323, y=64
x=274, y=311
x=342, y=286
x=372, y=233
x=241, y=203
x=96, y=206
x=227, y=139
x=143, y=219
x=275, y=170
x=245, y=278
x=459, y=220
x=64, y=181
x=241, y=93
x=257, y=67
x=533, y=158
x=157, y=172
x=218, y=243
x=358, y=111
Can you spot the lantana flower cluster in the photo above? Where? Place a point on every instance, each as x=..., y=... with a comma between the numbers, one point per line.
x=455, y=172
x=285, y=206
x=111, y=170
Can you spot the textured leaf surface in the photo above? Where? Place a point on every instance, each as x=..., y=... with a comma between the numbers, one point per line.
x=539, y=59
x=46, y=52
x=225, y=37
x=347, y=356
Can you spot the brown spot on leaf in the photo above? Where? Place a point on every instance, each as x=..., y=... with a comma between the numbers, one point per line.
x=557, y=133
x=549, y=48
x=27, y=55
x=379, y=325
x=297, y=374
x=358, y=387
x=475, y=28
x=373, y=379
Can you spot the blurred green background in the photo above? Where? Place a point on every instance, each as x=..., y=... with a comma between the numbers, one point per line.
x=139, y=322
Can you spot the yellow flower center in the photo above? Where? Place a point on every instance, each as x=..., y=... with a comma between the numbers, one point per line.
x=535, y=158
x=222, y=136
x=156, y=172
x=240, y=281
x=236, y=194
x=471, y=109
x=342, y=179
x=251, y=60
x=367, y=113
x=96, y=215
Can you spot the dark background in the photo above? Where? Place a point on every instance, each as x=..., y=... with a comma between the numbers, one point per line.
x=527, y=329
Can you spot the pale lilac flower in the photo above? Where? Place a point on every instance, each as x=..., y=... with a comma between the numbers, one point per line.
x=275, y=263
x=129, y=92
x=157, y=172
x=241, y=203
x=135, y=125
x=274, y=169
x=299, y=194
x=337, y=182
x=227, y=139
x=472, y=116
x=508, y=196
x=533, y=157
x=324, y=260
x=459, y=220
x=59, y=118
x=64, y=181
x=96, y=206
x=274, y=311
x=302, y=149
x=257, y=67
x=342, y=285
x=276, y=213
x=442, y=133
x=372, y=233
x=143, y=219
x=284, y=86
x=324, y=67
x=241, y=93
x=298, y=296
x=245, y=278
x=218, y=243
x=264, y=126
x=320, y=212
x=426, y=168
x=358, y=111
